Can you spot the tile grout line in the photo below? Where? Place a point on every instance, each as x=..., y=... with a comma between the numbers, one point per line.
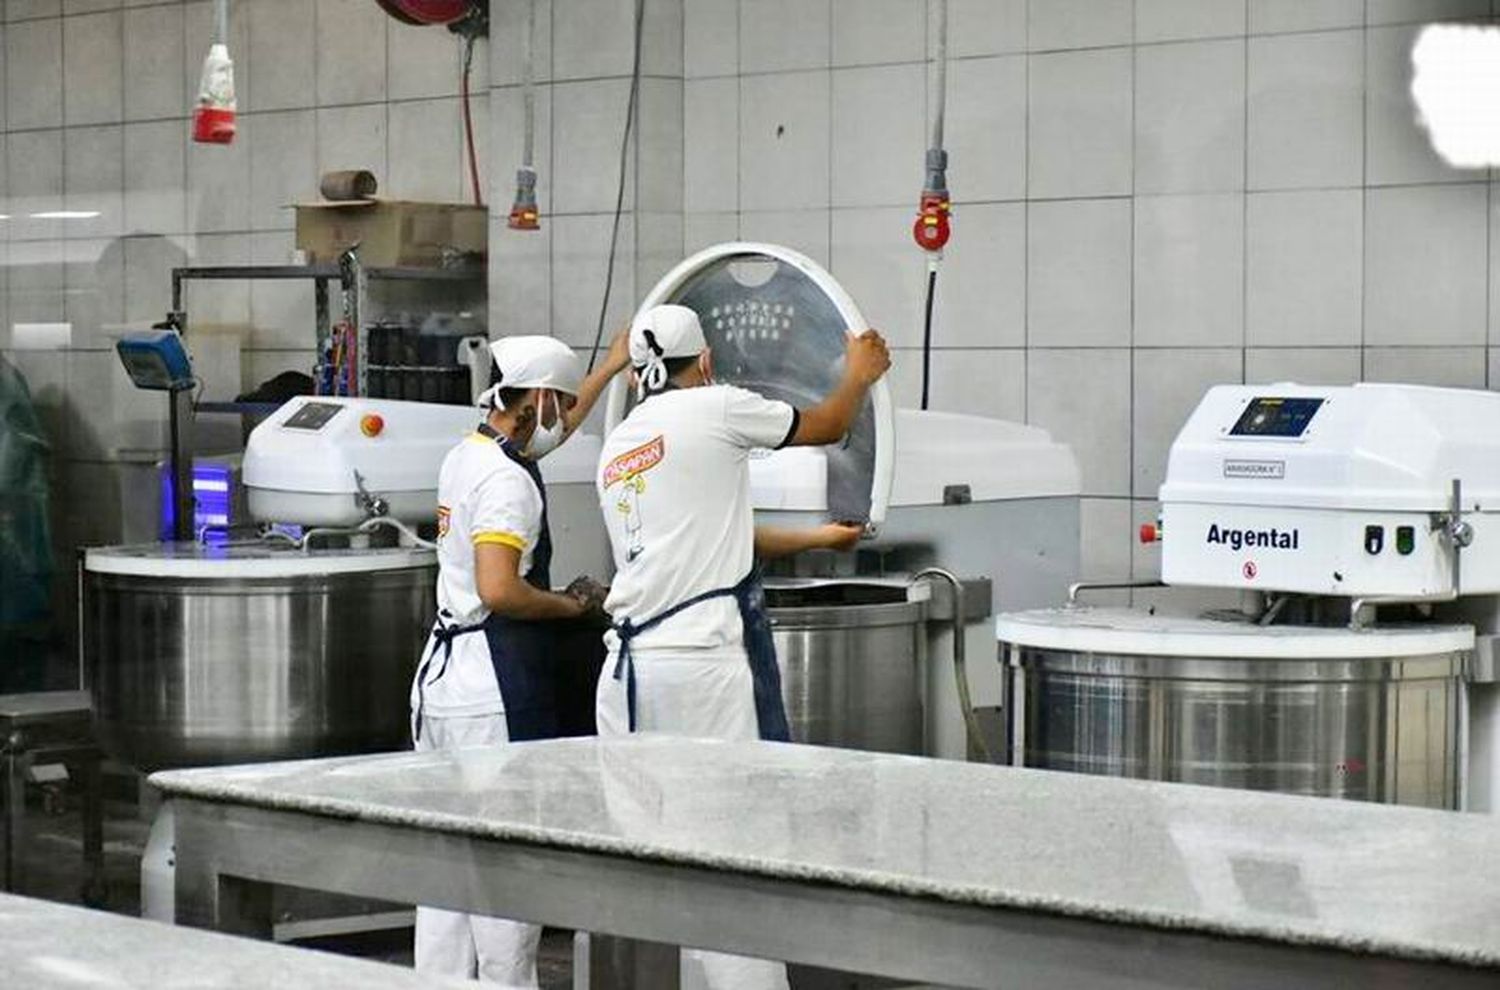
x=1245, y=199
x=1026, y=216
x=1130, y=481
x=1364, y=196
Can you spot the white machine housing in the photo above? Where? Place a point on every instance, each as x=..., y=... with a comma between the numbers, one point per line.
x=300, y=467
x=940, y=459
x=306, y=463
x=984, y=497
x=1334, y=491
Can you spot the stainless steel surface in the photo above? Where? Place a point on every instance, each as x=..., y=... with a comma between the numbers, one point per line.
x=198, y=671
x=1379, y=729
x=1483, y=668
x=851, y=665
x=957, y=598
x=1079, y=587
x=977, y=595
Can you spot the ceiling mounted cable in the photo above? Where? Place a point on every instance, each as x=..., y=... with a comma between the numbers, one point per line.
x=524, y=213
x=932, y=226
x=614, y=236
x=468, y=113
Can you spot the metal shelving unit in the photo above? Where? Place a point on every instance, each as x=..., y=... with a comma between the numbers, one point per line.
x=353, y=281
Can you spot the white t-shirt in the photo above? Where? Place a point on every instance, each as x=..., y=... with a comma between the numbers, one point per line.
x=483, y=497
x=674, y=484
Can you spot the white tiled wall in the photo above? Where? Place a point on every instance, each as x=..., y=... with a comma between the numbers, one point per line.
x=95, y=117
x=1150, y=197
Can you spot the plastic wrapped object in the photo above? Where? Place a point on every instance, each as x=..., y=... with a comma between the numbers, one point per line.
x=25, y=539
x=214, y=115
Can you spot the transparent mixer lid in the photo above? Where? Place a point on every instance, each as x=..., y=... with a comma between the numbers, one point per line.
x=777, y=324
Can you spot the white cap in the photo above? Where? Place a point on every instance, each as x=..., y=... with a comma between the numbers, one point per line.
x=533, y=362
x=660, y=334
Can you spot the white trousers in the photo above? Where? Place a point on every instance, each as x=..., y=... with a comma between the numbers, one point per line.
x=709, y=698
x=449, y=943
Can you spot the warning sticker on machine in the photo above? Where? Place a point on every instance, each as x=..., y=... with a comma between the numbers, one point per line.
x=1265, y=470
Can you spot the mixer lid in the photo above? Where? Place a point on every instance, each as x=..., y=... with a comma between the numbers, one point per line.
x=777, y=324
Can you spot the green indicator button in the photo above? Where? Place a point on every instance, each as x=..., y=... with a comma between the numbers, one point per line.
x=1406, y=540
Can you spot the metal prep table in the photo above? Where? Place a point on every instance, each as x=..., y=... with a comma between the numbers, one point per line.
x=50, y=727
x=951, y=873
x=59, y=947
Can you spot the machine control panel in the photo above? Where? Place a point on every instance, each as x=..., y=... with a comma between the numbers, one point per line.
x=1272, y=416
x=313, y=416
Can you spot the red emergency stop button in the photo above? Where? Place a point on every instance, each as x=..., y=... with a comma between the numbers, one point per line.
x=370, y=425
x=1150, y=533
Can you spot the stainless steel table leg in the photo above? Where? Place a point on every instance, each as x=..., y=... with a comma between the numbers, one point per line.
x=90, y=782
x=205, y=898
x=16, y=763
x=627, y=964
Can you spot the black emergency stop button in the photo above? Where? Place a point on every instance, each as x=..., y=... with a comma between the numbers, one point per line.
x=1374, y=539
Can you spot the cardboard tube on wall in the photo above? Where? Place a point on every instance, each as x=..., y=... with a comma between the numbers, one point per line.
x=348, y=184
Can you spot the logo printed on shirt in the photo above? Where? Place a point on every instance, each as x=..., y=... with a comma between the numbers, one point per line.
x=445, y=518
x=634, y=463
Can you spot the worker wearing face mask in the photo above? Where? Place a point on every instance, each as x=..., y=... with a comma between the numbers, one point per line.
x=691, y=650
x=478, y=679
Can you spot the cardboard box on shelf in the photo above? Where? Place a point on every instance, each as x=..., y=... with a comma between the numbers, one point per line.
x=392, y=233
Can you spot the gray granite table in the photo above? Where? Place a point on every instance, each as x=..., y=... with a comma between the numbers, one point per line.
x=950, y=873
x=45, y=946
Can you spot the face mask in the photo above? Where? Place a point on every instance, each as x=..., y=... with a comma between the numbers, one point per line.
x=546, y=439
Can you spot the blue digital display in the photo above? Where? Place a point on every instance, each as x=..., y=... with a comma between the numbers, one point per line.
x=213, y=499
x=156, y=360
x=1276, y=417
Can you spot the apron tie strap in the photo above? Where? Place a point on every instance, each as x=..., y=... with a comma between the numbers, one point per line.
x=442, y=640
x=628, y=631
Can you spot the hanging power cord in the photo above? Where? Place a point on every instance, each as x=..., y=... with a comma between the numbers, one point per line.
x=614, y=236
x=932, y=226
x=932, y=269
x=469, y=40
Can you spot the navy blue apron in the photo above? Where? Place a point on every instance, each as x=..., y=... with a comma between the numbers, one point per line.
x=522, y=651
x=760, y=647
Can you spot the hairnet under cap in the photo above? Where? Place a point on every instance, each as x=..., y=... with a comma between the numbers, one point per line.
x=659, y=335
x=666, y=332
x=533, y=362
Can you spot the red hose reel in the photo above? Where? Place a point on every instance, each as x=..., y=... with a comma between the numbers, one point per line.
x=427, y=11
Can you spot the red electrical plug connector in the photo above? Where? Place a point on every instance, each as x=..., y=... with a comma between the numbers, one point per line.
x=523, y=212
x=931, y=228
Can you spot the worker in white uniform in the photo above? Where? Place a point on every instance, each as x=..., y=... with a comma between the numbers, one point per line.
x=483, y=676
x=690, y=652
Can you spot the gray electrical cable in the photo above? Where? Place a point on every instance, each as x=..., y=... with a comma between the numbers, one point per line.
x=614, y=236
x=941, y=109
x=528, y=92
x=221, y=21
